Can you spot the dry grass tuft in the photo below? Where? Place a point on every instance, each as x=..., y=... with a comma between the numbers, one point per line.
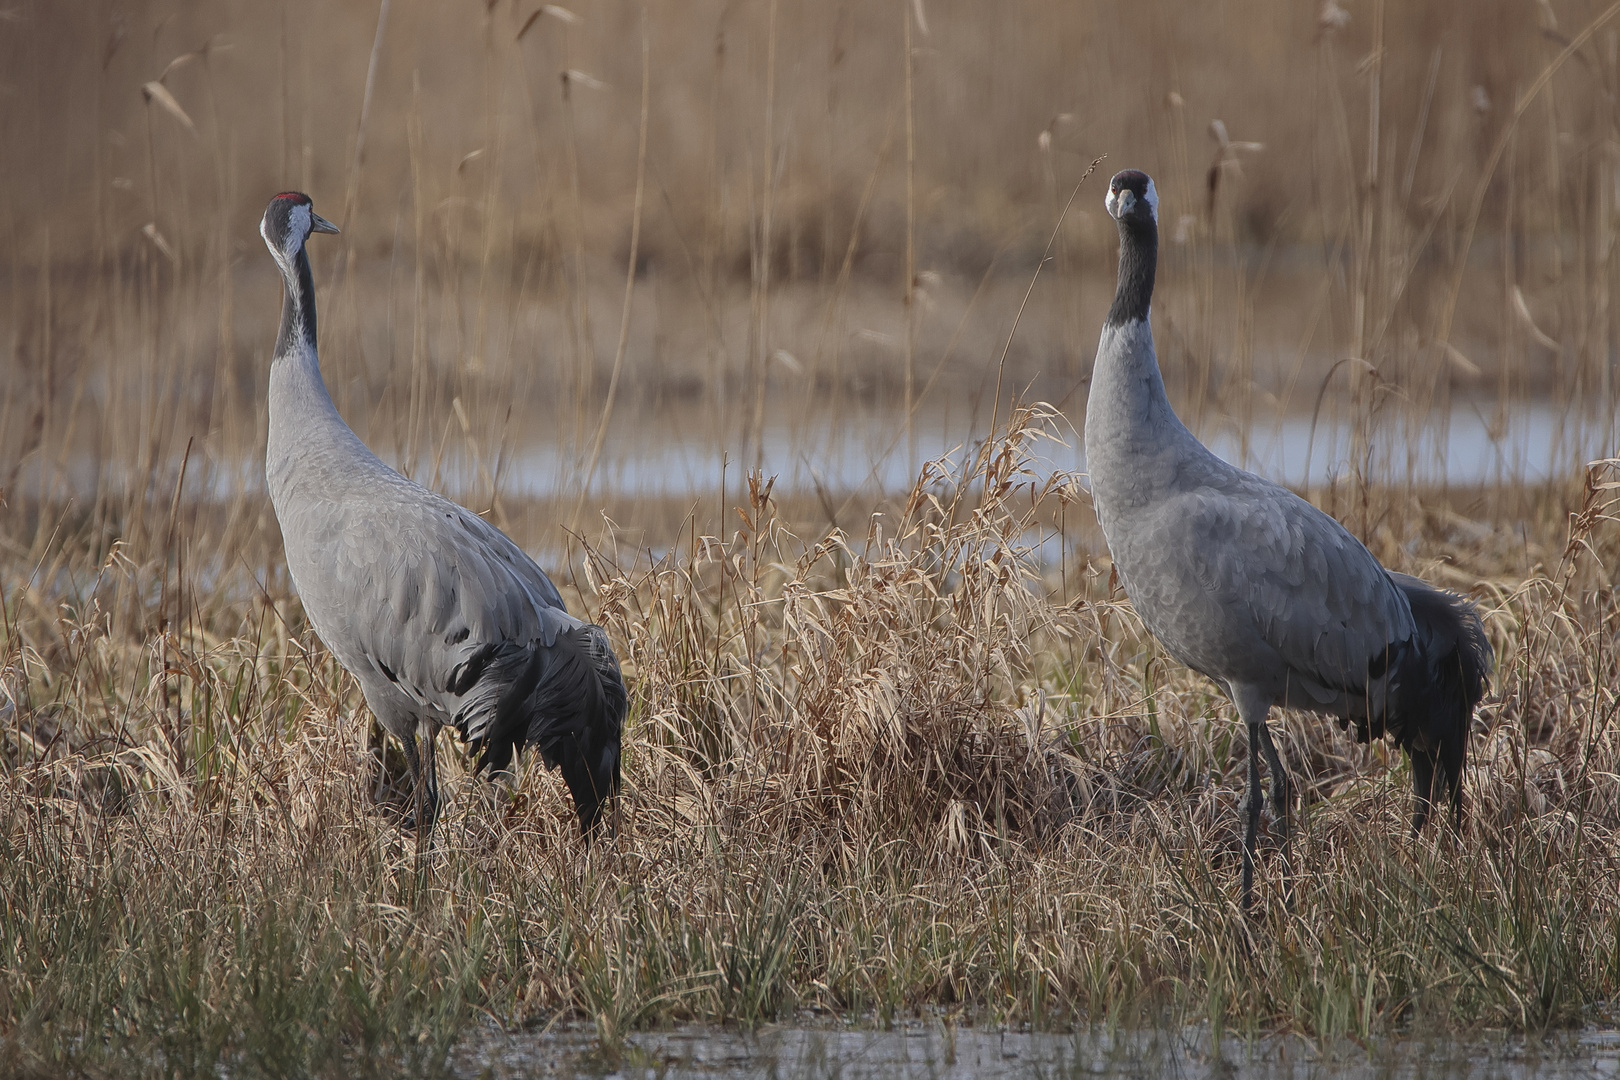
x=930, y=759
x=877, y=688
x=864, y=776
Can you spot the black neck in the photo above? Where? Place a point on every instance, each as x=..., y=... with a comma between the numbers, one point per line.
x=297, y=307
x=1138, y=258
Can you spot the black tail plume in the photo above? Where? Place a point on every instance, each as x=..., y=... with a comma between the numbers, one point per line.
x=1439, y=680
x=570, y=701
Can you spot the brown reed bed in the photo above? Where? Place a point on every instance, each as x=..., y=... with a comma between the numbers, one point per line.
x=882, y=757
x=865, y=774
x=1426, y=190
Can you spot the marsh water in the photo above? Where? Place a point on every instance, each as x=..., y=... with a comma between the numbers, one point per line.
x=677, y=453
x=1475, y=444
x=938, y=1050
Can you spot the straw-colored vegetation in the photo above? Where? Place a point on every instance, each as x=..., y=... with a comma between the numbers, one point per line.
x=888, y=750
x=864, y=774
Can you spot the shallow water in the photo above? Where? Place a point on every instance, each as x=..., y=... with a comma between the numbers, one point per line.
x=935, y=1050
x=1473, y=445
x=675, y=453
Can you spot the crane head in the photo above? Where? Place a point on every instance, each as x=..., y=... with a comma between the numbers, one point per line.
x=1131, y=198
x=287, y=223
x=590, y=766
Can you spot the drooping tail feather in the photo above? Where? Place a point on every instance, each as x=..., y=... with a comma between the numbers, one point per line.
x=571, y=702
x=1437, y=684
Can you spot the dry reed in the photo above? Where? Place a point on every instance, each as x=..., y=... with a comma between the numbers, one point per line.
x=888, y=750
x=864, y=775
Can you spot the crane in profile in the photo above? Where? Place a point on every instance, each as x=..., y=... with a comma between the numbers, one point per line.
x=438, y=615
x=1249, y=584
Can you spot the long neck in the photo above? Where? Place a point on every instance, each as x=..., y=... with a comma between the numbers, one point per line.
x=303, y=420
x=297, y=332
x=1127, y=380
x=1138, y=259
x=1134, y=440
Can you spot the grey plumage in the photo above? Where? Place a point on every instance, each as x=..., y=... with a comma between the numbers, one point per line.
x=440, y=617
x=1251, y=585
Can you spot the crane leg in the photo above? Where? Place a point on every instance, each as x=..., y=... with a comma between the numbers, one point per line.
x=428, y=787
x=414, y=761
x=424, y=778
x=1281, y=802
x=1254, y=705
x=1251, y=815
x=1281, y=795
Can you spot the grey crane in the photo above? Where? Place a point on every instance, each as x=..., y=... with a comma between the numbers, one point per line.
x=1249, y=584
x=438, y=615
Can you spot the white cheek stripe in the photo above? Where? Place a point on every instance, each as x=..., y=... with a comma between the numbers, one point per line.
x=1112, y=200
x=298, y=225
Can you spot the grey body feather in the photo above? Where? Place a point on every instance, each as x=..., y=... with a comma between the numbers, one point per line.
x=436, y=612
x=1237, y=577
x=1248, y=583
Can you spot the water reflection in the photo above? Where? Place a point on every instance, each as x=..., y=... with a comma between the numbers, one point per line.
x=870, y=451
x=1532, y=443
x=936, y=1050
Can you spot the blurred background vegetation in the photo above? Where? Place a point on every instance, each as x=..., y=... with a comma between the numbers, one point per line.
x=468, y=103
x=835, y=215
x=897, y=740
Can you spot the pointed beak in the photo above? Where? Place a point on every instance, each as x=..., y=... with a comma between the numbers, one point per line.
x=320, y=224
